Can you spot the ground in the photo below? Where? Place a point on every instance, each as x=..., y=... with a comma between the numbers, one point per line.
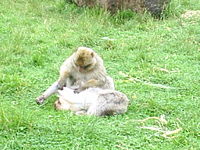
x=156, y=63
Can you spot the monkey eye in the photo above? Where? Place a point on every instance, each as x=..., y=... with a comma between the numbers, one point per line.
x=76, y=64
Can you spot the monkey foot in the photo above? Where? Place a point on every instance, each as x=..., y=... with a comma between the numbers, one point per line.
x=80, y=113
x=40, y=100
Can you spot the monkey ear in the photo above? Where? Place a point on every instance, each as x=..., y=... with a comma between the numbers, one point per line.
x=92, y=54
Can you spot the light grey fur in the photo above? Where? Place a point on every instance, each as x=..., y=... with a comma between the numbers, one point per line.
x=93, y=101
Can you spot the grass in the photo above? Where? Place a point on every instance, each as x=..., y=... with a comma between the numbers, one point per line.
x=37, y=35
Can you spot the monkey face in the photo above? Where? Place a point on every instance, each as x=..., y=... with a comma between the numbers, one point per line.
x=85, y=59
x=61, y=106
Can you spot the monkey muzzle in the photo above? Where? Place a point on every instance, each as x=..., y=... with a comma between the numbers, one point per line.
x=81, y=69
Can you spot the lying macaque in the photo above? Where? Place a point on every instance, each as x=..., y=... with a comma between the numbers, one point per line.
x=92, y=101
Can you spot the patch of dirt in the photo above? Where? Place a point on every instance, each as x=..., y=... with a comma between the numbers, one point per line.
x=191, y=13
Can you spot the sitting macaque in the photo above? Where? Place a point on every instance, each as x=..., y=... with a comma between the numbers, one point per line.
x=92, y=101
x=83, y=66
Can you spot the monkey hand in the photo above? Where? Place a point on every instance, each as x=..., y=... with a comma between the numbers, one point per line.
x=40, y=100
x=77, y=90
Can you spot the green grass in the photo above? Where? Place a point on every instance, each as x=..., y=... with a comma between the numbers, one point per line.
x=37, y=35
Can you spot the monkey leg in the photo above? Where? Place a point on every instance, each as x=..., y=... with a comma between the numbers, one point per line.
x=51, y=90
x=91, y=83
x=88, y=84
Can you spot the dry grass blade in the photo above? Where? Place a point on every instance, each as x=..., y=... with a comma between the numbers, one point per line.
x=166, y=134
x=145, y=82
x=121, y=147
x=161, y=119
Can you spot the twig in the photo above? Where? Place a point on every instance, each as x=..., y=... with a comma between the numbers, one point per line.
x=145, y=82
x=161, y=119
x=153, y=129
x=153, y=84
x=165, y=70
x=167, y=133
x=107, y=38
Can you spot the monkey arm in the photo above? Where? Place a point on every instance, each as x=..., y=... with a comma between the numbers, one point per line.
x=64, y=74
x=51, y=90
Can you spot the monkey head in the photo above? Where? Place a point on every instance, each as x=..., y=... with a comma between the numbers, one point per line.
x=58, y=105
x=85, y=59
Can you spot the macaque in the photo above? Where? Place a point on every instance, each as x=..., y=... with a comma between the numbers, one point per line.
x=92, y=101
x=82, y=70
